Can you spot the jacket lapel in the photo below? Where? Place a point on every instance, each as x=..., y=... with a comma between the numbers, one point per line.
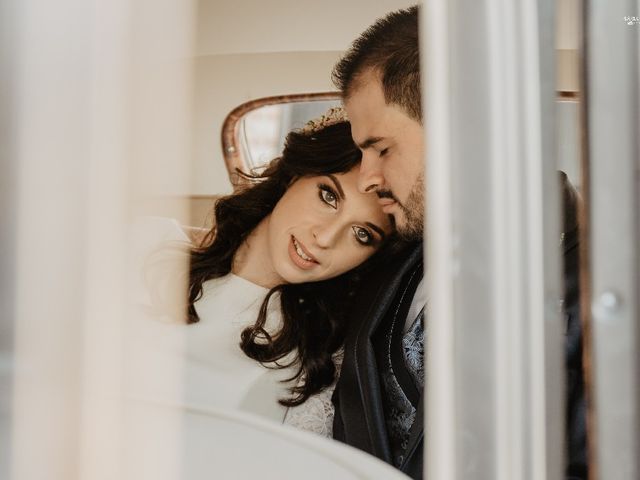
x=416, y=435
x=366, y=367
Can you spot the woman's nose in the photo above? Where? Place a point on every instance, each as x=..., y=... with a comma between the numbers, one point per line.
x=326, y=234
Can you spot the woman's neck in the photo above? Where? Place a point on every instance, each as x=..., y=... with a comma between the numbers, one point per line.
x=252, y=260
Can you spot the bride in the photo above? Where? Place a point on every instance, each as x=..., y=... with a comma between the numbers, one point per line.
x=269, y=286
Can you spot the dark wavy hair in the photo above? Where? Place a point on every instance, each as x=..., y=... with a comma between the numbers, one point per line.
x=390, y=48
x=313, y=313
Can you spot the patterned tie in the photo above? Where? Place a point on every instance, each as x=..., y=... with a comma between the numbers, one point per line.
x=413, y=344
x=400, y=412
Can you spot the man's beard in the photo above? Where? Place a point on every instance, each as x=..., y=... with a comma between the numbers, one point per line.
x=412, y=229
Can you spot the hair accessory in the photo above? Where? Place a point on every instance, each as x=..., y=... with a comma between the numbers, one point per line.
x=332, y=116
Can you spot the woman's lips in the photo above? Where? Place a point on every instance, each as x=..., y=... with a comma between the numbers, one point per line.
x=300, y=255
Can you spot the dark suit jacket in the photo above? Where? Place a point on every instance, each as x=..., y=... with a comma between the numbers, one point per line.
x=359, y=416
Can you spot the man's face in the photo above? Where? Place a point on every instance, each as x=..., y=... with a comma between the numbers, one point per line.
x=392, y=147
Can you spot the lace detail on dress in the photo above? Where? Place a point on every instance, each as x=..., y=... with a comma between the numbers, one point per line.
x=316, y=414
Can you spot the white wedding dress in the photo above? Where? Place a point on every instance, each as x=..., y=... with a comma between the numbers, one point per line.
x=201, y=366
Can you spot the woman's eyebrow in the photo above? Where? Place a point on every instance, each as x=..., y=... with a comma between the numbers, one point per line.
x=336, y=182
x=373, y=226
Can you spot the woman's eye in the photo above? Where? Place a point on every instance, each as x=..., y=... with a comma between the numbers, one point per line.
x=363, y=235
x=328, y=196
x=383, y=152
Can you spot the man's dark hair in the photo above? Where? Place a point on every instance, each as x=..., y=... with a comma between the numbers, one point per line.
x=389, y=48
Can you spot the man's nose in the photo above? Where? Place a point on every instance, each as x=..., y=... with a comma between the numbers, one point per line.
x=370, y=177
x=326, y=234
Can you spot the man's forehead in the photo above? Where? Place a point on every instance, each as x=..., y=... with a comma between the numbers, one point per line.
x=367, y=123
x=367, y=134
x=367, y=78
x=367, y=96
x=368, y=129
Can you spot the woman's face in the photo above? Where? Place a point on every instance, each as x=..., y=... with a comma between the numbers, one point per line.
x=323, y=226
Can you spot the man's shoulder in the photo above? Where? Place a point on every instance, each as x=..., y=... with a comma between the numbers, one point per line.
x=403, y=253
x=394, y=260
x=380, y=284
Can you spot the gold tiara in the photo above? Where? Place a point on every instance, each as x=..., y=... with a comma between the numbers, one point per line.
x=330, y=117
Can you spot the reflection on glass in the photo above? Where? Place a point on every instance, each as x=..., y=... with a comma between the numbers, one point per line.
x=261, y=132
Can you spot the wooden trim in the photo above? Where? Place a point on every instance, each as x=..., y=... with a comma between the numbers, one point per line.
x=568, y=95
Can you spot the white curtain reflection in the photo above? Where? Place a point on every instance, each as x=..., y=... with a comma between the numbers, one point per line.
x=101, y=127
x=263, y=131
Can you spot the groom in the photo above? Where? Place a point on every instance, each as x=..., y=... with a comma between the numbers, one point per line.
x=379, y=401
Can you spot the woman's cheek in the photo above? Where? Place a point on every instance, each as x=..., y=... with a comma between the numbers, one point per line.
x=358, y=257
